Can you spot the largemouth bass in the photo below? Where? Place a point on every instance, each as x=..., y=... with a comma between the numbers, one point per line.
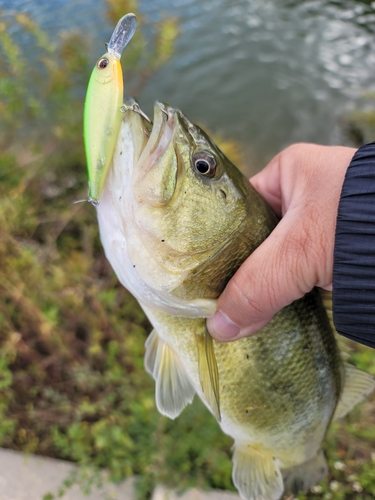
x=176, y=220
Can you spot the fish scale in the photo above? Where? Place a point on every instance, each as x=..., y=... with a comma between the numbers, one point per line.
x=251, y=382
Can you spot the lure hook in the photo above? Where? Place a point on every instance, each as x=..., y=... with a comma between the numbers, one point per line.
x=134, y=106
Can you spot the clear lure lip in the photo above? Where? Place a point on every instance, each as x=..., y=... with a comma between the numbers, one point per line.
x=122, y=35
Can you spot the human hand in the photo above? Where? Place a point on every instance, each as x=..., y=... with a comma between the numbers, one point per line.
x=303, y=185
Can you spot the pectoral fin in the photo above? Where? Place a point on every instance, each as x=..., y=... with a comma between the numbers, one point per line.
x=357, y=385
x=173, y=387
x=256, y=475
x=208, y=372
x=204, y=307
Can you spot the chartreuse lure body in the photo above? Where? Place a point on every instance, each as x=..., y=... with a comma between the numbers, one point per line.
x=102, y=114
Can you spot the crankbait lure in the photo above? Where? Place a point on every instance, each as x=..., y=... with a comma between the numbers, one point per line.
x=102, y=114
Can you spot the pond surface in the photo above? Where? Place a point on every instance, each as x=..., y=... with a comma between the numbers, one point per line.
x=266, y=72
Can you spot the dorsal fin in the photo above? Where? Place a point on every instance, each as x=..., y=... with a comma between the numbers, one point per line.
x=304, y=476
x=326, y=297
x=357, y=385
x=208, y=372
x=174, y=390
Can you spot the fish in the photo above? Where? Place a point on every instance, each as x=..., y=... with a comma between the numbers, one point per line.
x=103, y=106
x=176, y=220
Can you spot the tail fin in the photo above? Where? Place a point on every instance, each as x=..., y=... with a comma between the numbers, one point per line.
x=304, y=476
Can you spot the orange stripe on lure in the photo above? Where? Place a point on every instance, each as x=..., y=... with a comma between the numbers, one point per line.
x=102, y=114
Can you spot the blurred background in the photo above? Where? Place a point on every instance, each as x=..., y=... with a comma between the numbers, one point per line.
x=258, y=75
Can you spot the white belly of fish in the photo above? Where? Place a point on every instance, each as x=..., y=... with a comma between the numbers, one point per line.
x=130, y=256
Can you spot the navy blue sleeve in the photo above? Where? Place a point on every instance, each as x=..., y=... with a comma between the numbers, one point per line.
x=354, y=253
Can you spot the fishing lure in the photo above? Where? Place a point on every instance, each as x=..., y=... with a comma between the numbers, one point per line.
x=102, y=113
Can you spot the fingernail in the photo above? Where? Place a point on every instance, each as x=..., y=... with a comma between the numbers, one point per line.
x=222, y=327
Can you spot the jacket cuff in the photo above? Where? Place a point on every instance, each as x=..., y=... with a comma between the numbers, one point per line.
x=354, y=252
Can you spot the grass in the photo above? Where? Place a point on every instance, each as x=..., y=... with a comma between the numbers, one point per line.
x=72, y=383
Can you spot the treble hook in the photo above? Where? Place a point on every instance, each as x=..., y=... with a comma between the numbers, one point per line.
x=134, y=106
x=93, y=202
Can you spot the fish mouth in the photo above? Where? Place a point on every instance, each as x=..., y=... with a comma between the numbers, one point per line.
x=158, y=133
x=151, y=161
x=155, y=134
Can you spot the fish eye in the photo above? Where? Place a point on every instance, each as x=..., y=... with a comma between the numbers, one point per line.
x=103, y=63
x=204, y=164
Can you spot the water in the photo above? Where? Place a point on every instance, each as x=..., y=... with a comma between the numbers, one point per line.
x=266, y=72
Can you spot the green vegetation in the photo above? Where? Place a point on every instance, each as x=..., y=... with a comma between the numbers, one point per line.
x=360, y=124
x=72, y=383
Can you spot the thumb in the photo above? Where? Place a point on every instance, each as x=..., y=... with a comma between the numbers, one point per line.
x=278, y=272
